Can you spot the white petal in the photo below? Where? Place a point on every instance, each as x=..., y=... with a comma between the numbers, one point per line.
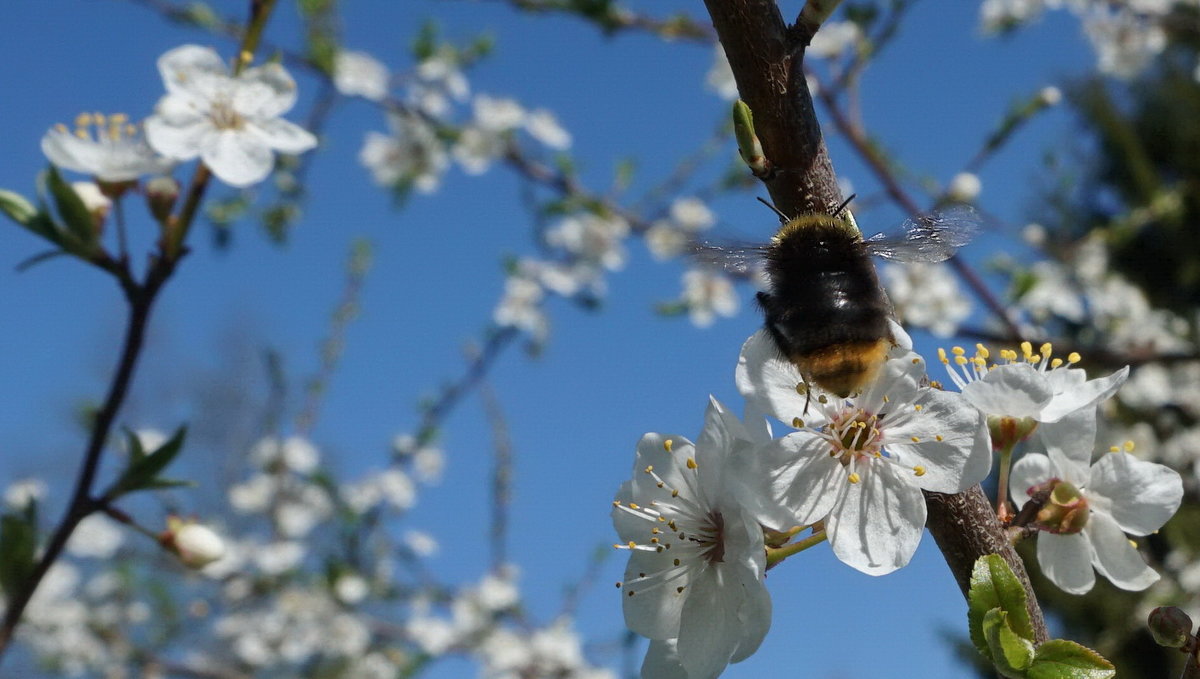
x=769, y=382
x=1031, y=470
x=709, y=631
x=1067, y=561
x=238, y=159
x=1114, y=557
x=1069, y=442
x=264, y=91
x=722, y=436
x=653, y=611
x=1017, y=390
x=1083, y=396
x=754, y=618
x=192, y=71
x=662, y=661
x=1139, y=495
x=70, y=152
x=876, y=523
x=963, y=455
x=669, y=466
x=283, y=136
x=179, y=138
x=794, y=479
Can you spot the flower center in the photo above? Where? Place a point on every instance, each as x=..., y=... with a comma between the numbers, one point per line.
x=224, y=117
x=855, y=434
x=98, y=127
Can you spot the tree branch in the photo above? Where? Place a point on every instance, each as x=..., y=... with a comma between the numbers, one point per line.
x=767, y=61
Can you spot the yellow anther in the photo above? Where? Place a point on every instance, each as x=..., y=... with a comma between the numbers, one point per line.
x=942, y=355
x=919, y=470
x=1132, y=544
x=1128, y=446
x=631, y=544
x=667, y=445
x=655, y=531
x=1047, y=349
x=675, y=562
x=916, y=439
x=1027, y=349
x=1056, y=362
x=83, y=120
x=118, y=119
x=675, y=493
x=679, y=589
x=980, y=362
x=854, y=477
x=1114, y=449
x=916, y=361
x=691, y=463
x=982, y=351
x=822, y=399
x=246, y=56
x=616, y=503
x=937, y=438
x=958, y=351
x=801, y=388
x=654, y=541
x=935, y=384
x=1074, y=357
x=960, y=360
x=877, y=454
x=887, y=399
x=59, y=127
x=797, y=423
x=649, y=468
x=98, y=118
x=1034, y=359
x=634, y=505
x=918, y=407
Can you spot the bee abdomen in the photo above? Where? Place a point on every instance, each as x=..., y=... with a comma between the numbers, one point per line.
x=846, y=368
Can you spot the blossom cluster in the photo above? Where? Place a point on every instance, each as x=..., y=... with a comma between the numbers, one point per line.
x=702, y=520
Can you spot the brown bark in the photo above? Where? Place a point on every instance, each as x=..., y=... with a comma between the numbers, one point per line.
x=767, y=60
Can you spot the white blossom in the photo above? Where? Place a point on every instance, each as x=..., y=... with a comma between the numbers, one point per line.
x=230, y=122
x=708, y=294
x=1116, y=495
x=109, y=148
x=927, y=296
x=699, y=582
x=358, y=74
x=964, y=187
x=592, y=237
x=859, y=464
x=543, y=126
x=97, y=537
x=833, y=38
x=412, y=153
x=198, y=545
x=720, y=76
x=19, y=494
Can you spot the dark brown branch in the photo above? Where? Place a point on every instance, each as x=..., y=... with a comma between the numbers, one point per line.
x=766, y=57
x=965, y=528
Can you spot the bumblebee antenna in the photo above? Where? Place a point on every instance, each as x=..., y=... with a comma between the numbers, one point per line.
x=783, y=219
x=844, y=204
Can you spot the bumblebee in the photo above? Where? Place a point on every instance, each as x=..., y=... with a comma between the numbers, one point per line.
x=823, y=306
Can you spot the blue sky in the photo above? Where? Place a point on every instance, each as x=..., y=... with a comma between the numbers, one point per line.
x=576, y=412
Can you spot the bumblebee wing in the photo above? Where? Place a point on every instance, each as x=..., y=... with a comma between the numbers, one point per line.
x=930, y=238
x=736, y=259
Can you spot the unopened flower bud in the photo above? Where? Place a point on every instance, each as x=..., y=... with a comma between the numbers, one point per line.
x=1009, y=431
x=1050, y=96
x=195, y=544
x=161, y=194
x=94, y=200
x=1170, y=626
x=964, y=188
x=1066, y=510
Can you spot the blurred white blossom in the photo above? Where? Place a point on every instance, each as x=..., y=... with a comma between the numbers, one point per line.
x=720, y=76
x=708, y=294
x=544, y=127
x=20, y=493
x=592, y=237
x=358, y=74
x=109, y=148
x=97, y=537
x=412, y=153
x=833, y=38
x=927, y=296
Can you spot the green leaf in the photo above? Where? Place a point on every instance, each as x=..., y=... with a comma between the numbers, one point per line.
x=142, y=472
x=1011, y=654
x=994, y=585
x=18, y=545
x=1062, y=659
x=17, y=207
x=71, y=209
x=136, y=451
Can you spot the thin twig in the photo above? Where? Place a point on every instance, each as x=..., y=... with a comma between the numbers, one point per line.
x=502, y=471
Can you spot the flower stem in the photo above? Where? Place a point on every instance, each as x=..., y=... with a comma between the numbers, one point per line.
x=777, y=554
x=1002, y=511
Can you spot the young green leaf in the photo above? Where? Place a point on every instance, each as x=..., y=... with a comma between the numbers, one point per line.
x=994, y=585
x=18, y=546
x=71, y=209
x=16, y=207
x=144, y=468
x=1011, y=654
x=1062, y=659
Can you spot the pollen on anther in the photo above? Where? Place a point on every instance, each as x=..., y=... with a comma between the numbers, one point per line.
x=1074, y=357
x=916, y=361
x=982, y=351
x=634, y=505
x=960, y=360
x=958, y=351
x=854, y=477
x=675, y=492
x=1056, y=362
x=797, y=423
x=616, y=503
x=691, y=463
x=919, y=470
x=676, y=562
x=916, y=439
x=679, y=589
x=631, y=544
x=918, y=407
x=1128, y=446
x=667, y=445
x=649, y=468
x=938, y=438
x=942, y=355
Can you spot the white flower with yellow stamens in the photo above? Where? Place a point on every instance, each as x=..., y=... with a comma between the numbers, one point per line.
x=230, y=122
x=696, y=564
x=109, y=148
x=1037, y=388
x=860, y=464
